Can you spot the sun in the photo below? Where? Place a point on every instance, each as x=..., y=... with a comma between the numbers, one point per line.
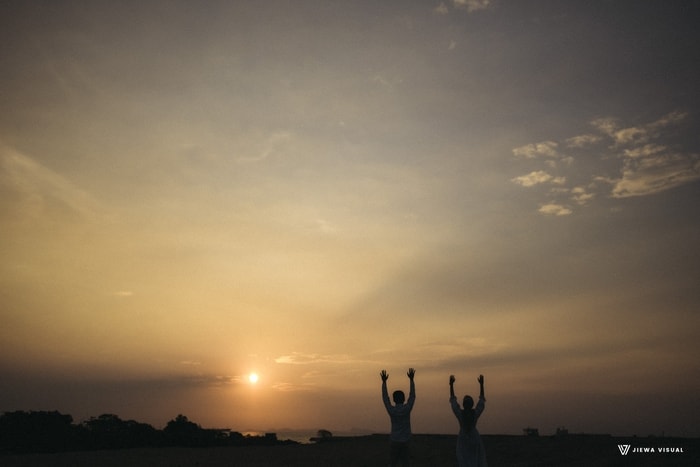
x=253, y=378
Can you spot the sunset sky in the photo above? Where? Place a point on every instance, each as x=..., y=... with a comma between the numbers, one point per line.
x=315, y=191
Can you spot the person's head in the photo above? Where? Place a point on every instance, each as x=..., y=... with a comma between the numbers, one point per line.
x=467, y=402
x=399, y=397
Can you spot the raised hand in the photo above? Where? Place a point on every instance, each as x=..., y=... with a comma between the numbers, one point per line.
x=411, y=373
x=384, y=375
x=480, y=379
x=452, y=379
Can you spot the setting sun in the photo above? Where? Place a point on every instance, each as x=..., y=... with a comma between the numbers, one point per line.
x=253, y=378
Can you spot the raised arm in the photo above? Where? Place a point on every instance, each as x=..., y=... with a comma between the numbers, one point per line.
x=412, y=391
x=385, y=393
x=453, y=400
x=481, y=387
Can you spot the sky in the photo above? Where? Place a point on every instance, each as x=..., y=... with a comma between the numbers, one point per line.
x=316, y=191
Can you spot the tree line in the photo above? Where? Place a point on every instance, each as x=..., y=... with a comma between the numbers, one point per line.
x=52, y=431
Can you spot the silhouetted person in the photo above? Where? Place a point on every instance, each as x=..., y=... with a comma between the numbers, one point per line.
x=470, y=448
x=400, y=415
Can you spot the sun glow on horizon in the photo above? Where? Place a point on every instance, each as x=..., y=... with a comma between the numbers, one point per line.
x=253, y=378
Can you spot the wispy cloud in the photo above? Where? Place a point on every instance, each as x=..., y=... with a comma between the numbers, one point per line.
x=387, y=83
x=554, y=209
x=535, y=150
x=636, y=134
x=271, y=145
x=37, y=185
x=472, y=5
x=186, y=381
x=441, y=9
x=582, y=140
x=533, y=178
x=645, y=165
x=644, y=151
x=435, y=353
x=298, y=358
x=284, y=386
x=123, y=293
x=649, y=168
x=325, y=227
x=656, y=173
x=581, y=196
x=190, y=362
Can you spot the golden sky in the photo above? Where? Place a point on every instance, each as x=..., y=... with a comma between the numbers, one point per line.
x=315, y=191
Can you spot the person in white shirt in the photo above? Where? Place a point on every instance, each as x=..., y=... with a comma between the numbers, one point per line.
x=400, y=415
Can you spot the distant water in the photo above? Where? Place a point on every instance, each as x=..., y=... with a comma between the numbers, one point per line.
x=300, y=436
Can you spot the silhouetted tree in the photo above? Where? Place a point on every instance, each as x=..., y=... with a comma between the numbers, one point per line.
x=182, y=432
x=322, y=436
x=235, y=438
x=109, y=431
x=52, y=432
x=37, y=431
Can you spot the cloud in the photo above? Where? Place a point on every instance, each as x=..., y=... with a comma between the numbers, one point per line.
x=582, y=140
x=441, y=9
x=533, y=178
x=472, y=5
x=580, y=196
x=190, y=362
x=629, y=135
x=646, y=162
x=646, y=175
x=272, y=144
x=298, y=358
x=605, y=125
x=123, y=293
x=209, y=380
x=668, y=119
x=181, y=382
x=325, y=227
x=37, y=186
x=291, y=387
x=554, y=209
x=431, y=353
x=637, y=134
x=387, y=83
x=534, y=150
x=644, y=151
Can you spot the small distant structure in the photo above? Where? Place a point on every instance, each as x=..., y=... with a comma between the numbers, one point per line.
x=562, y=431
x=529, y=431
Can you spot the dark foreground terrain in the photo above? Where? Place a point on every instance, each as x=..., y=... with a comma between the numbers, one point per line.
x=426, y=450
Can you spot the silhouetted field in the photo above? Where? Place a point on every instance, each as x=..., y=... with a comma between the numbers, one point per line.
x=426, y=450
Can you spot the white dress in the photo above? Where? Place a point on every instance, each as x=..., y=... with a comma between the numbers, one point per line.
x=470, y=448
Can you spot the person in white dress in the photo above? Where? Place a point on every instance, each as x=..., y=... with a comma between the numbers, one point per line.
x=470, y=448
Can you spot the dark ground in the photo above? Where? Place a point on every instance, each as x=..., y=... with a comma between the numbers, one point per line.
x=371, y=451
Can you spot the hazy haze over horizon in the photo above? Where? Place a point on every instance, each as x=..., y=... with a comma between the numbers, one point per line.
x=315, y=191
